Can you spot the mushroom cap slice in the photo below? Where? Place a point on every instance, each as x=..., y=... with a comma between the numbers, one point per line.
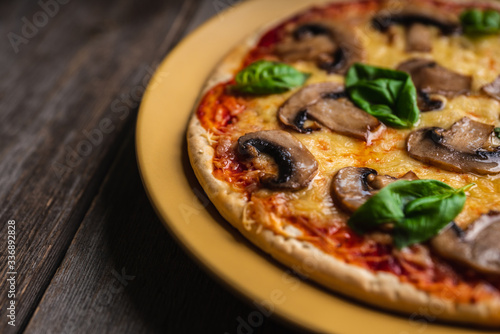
x=326, y=104
x=333, y=48
x=418, y=38
x=465, y=147
x=293, y=112
x=316, y=48
x=430, y=102
x=350, y=187
x=431, y=78
x=493, y=88
x=350, y=50
x=296, y=165
x=342, y=116
x=417, y=13
x=477, y=247
x=353, y=186
x=418, y=18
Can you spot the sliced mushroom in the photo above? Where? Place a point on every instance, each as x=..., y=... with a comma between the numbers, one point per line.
x=334, y=49
x=430, y=78
x=327, y=104
x=446, y=22
x=417, y=18
x=466, y=147
x=418, y=38
x=493, y=88
x=315, y=48
x=293, y=113
x=296, y=165
x=430, y=102
x=477, y=247
x=353, y=186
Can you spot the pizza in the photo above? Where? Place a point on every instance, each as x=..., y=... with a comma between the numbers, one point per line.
x=362, y=139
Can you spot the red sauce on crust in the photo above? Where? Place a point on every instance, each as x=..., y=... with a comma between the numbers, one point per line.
x=218, y=109
x=436, y=277
x=229, y=169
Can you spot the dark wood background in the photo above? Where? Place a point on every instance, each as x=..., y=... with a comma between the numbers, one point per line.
x=91, y=255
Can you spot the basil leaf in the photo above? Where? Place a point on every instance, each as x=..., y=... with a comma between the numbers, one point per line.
x=417, y=209
x=497, y=132
x=386, y=94
x=475, y=21
x=267, y=77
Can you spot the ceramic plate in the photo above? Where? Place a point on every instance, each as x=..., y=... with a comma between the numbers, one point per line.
x=176, y=195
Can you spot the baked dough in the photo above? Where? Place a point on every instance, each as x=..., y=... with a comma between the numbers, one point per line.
x=377, y=288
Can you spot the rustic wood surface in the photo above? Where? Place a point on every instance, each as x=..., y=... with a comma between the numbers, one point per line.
x=91, y=255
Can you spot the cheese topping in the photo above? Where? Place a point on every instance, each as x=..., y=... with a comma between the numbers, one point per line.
x=311, y=212
x=478, y=58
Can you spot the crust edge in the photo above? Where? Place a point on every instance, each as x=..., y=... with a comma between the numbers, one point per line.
x=379, y=289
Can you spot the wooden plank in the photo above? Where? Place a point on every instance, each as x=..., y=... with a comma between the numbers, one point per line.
x=164, y=291
x=67, y=98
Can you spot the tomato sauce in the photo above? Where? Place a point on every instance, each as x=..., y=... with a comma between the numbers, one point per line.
x=218, y=111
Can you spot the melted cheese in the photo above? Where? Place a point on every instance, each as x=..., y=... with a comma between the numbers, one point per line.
x=479, y=58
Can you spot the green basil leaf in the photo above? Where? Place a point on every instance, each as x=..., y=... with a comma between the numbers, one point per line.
x=477, y=22
x=386, y=94
x=267, y=77
x=497, y=132
x=418, y=210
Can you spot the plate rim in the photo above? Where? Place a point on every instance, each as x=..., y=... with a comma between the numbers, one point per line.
x=146, y=174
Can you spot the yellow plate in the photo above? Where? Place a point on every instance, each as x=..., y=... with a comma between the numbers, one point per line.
x=168, y=179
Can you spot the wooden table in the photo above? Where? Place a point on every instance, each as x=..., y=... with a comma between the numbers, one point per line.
x=90, y=254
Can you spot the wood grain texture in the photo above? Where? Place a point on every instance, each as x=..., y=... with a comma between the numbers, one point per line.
x=67, y=98
x=164, y=291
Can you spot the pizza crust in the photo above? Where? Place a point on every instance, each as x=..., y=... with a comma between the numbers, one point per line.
x=380, y=289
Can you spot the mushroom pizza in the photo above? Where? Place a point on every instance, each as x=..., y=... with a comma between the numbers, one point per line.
x=359, y=143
